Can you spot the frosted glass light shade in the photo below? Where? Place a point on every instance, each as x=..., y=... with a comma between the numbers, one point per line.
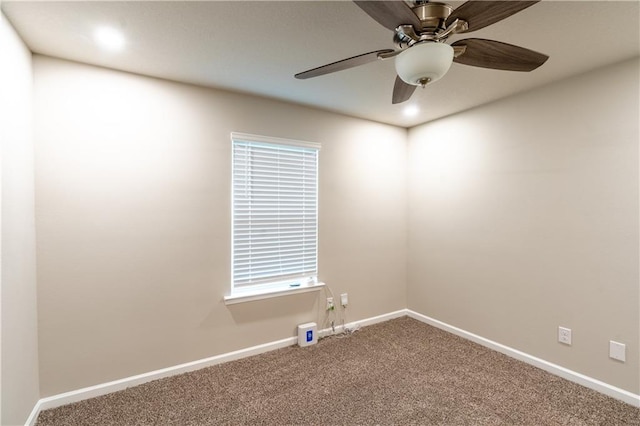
x=429, y=60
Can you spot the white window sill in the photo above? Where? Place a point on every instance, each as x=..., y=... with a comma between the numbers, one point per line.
x=267, y=294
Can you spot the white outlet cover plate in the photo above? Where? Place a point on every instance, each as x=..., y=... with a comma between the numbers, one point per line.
x=617, y=350
x=564, y=335
x=344, y=299
x=330, y=304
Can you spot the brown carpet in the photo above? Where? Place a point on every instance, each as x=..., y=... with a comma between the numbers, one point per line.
x=400, y=372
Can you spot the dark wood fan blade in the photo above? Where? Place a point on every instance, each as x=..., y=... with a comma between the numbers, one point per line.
x=497, y=55
x=402, y=91
x=390, y=14
x=480, y=14
x=342, y=65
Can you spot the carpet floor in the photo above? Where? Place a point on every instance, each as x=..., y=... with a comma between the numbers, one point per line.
x=399, y=372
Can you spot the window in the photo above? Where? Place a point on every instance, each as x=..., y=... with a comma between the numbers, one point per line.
x=275, y=213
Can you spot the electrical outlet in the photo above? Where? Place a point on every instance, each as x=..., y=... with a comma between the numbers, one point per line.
x=344, y=300
x=564, y=335
x=617, y=350
x=330, y=305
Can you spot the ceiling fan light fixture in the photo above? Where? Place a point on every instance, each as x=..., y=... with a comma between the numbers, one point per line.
x=424, y=62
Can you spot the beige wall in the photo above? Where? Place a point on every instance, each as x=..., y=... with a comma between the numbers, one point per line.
x=523, y=216
x=133, y=216
x=513, y=208
x=19, y=354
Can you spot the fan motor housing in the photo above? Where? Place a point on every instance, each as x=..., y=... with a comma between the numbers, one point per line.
x=433, y=16
x=433, y=25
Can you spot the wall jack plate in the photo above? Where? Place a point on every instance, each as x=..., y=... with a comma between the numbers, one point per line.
x=617, y=350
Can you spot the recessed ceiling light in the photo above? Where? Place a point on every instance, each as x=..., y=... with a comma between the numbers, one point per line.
x=411, y=110
x=109, y=38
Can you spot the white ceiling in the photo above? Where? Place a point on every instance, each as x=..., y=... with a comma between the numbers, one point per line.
x=257, y=47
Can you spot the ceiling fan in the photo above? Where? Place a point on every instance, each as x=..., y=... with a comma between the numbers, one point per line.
x=421, y=32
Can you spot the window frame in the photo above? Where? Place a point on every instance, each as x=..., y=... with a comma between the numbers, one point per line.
x=287, y=285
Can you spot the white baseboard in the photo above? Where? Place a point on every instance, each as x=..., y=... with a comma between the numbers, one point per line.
x=121, y=384
x=326, y=332
x=127, y=382
x=31, y=420
x=565, y=373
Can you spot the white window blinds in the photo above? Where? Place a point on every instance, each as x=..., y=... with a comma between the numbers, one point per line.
x=275, y=210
